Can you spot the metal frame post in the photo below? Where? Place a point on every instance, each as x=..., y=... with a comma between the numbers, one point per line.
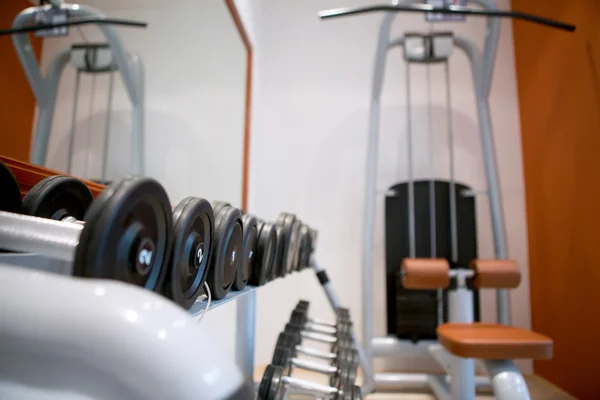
x=245, y=334
x=489, y=159
x=507, y=380
x=462, y=370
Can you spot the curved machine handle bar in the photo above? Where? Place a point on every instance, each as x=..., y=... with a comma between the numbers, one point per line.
x=75, y=21
x=422, y=8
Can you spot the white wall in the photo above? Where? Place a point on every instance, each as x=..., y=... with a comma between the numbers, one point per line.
x=308, y=146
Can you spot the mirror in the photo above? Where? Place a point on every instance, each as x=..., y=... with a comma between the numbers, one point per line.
x=191, y=62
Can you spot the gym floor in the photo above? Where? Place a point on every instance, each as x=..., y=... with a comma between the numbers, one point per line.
x=539, y=389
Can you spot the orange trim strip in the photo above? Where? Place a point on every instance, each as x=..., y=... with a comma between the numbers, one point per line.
x=246, y=163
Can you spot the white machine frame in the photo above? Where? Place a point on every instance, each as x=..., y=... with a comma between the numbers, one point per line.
x=461, y=371
x=482, y=66
x=45, y=87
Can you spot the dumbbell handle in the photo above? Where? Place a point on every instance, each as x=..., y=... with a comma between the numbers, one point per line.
x=313, y=366
x=311, y=387
x=321, y=323
x=23, y=233
x=307, y=351
x=318, y=337
x=311, y=326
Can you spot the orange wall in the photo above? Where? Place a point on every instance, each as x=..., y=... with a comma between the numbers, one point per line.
x=559, y=93
x=17, y=103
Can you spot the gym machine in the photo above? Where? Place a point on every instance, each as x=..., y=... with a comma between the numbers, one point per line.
x=52, y=18
x=435, y=272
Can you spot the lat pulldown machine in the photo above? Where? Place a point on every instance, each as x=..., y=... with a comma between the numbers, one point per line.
x=444, y=262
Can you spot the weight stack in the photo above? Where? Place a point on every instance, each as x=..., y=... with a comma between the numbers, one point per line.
x=415, y=314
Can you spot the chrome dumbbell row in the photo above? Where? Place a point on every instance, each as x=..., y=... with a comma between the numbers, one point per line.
x=340, y=363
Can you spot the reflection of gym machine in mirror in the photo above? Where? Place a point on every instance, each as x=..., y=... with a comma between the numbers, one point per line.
x=430, y=233
x=194, y=97
x=86, y=58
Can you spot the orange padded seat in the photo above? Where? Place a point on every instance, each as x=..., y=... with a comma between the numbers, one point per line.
x=493, y=342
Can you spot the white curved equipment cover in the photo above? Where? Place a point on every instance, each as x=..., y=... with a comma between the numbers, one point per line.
x=70, y=338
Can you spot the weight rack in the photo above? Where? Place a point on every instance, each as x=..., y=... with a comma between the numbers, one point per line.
x=29, y=175
x=245, y=307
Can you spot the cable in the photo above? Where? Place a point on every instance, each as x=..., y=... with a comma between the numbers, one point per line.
x=411, y=184
x=207, y=303
x=90, y=122
x=76, y=22
x=432, y=202
x=461, y=10
x=453, y=211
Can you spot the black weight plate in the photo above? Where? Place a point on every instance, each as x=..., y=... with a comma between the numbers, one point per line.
x=345, y=382
x=303, y=303
x=269, y=232
x=290, y=339
x=302, y=237
x=292, y=328
x=309, y=248
x=305, y=247
x=341, y=345
x=281, y=356
x=353, y=358
x=285, y=236
x=193, y=230
x=295, y=245
x=288, y=230
x=343, y=327
x=57, y=197
x=335, y=379
x=247, y=262
x=348, y=368
x=353, y=393
x=352, y=369
x=282, y=341
x=265, y=384
x=271, y=384
x=219, y=205
x=10, y=194
x=266, y=248
x=298, y=317
x=279, y=267
x=226, y=254
x=345, y=358
x=127, y=234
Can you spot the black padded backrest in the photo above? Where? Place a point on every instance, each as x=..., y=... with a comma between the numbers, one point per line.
x=414, y=315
